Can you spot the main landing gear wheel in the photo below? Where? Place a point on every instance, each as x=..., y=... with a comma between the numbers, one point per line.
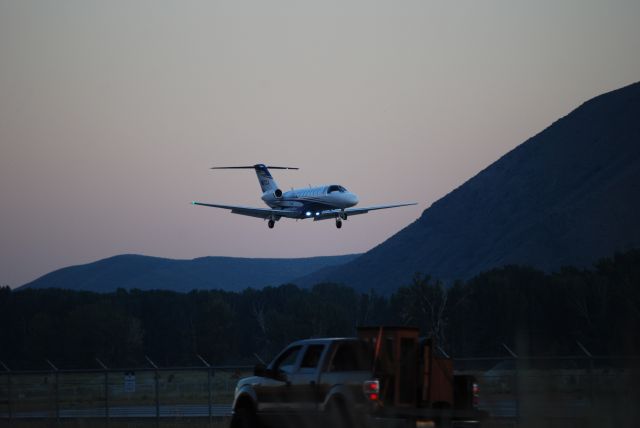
x=338, y=223
x=271, y=224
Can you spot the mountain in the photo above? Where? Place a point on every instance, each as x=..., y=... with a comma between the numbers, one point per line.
x=226, y=273
x=567, y=196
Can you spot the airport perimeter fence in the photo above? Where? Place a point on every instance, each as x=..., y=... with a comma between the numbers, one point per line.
x=143, y=396
x=515, y=391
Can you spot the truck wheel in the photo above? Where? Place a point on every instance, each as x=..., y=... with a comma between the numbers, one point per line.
x=338, y=416
x=244, y=417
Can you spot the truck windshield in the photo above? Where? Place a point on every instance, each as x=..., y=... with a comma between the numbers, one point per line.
x=351, y=356
x=286, y=362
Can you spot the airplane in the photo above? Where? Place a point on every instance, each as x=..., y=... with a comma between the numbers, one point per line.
x=318, y=203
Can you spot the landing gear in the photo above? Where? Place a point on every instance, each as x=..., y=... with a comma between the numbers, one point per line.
x=338, y=223
x=271, y=224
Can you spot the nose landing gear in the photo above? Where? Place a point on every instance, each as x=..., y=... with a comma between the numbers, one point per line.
x=271, y=224
x=339, y=218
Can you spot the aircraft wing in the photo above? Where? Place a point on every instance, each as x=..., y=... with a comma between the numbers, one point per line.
x=264, y=213
x=324, y=215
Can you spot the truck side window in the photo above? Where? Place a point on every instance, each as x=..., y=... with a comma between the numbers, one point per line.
x=287, y=361
x=311, y=358
x=351, y=357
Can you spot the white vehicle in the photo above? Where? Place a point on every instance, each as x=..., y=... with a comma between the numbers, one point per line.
x=320, y=203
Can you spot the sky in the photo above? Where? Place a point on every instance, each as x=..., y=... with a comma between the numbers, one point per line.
x=112, y=113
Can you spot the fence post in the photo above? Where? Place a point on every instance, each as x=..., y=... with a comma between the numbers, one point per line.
x=9, y=409
x=590, y=371
x=208, y=387
x=57, y=391
x=157, y=380
x=516, y=382
x=106, y=391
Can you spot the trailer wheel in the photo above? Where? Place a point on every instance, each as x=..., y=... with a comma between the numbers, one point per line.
x=443, y=418
x=443, y=423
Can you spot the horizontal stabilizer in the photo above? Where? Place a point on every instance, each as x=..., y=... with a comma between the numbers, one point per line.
x=253, y=167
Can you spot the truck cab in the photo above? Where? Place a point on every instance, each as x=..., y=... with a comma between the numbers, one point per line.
x=303, y=379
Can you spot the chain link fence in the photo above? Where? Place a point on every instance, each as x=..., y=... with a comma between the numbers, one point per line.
x=517, y=392
x=110, y=397
x=558, y=391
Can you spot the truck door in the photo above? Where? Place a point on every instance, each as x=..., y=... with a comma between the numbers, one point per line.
x=274, y=394
x=304, y=388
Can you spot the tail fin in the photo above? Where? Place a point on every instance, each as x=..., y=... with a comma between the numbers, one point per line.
x=267, y=183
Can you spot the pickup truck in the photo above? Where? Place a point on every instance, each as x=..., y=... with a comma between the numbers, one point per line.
x=387, y=376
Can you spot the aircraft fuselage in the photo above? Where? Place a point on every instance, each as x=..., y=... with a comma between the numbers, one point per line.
x=311, y=201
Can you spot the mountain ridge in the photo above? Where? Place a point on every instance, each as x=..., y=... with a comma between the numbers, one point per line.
x=566, y=196
x=131, y=271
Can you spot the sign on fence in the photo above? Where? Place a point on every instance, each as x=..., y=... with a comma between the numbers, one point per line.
x=129, y=382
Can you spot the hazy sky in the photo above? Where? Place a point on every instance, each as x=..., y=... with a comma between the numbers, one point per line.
x=112, y=112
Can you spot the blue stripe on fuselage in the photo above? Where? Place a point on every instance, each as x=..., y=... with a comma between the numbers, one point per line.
x=312, y=207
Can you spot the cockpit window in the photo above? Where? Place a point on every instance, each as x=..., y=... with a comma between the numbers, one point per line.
x=336, y=188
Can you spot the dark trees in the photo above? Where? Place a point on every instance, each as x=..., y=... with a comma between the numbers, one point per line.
x=533, y=312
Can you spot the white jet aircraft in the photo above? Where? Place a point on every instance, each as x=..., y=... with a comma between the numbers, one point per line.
x=319, y=203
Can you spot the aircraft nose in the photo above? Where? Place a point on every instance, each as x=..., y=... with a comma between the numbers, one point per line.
x=353, y=199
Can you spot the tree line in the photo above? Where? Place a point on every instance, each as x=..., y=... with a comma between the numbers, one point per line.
x=533, y=312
